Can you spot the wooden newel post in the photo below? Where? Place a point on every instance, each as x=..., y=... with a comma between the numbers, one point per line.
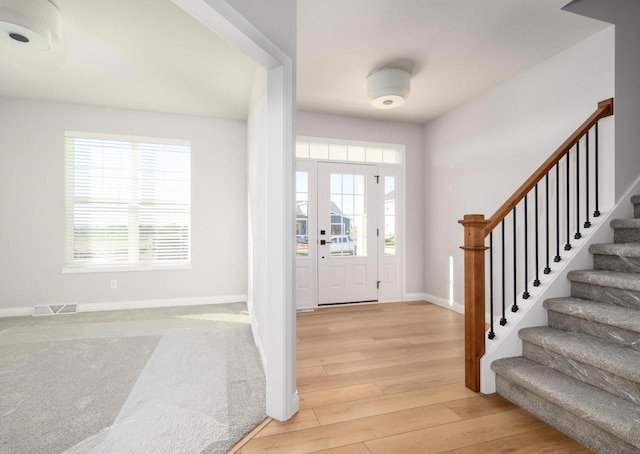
x=474, y=295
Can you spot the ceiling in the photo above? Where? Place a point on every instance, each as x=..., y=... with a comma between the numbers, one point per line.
x=136, y=54
x=455, y=49
x=151, y=55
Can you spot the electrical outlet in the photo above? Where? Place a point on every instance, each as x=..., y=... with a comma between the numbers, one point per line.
x=113, y=283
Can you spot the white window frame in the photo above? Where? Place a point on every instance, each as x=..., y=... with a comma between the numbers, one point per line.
x=134, y=263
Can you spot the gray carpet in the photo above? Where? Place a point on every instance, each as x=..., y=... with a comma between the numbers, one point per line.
x=178, y=380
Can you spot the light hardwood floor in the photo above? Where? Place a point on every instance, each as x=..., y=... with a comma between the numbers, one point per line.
x=389, y=378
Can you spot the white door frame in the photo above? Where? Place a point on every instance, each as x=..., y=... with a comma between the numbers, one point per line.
x=309, y=164
x=275, y=259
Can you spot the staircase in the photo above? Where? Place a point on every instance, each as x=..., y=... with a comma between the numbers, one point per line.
x=581, y=373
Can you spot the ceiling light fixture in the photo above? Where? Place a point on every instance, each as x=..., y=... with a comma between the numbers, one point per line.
x=33, y=24
x=388, y=88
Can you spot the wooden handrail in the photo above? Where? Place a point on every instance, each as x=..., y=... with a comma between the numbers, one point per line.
x=476, y=229
x=605, y=109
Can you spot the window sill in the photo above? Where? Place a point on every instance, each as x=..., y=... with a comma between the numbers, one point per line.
x=124, y=268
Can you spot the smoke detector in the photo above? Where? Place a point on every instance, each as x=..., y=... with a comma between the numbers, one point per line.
x=33, y=24
x=388, y=88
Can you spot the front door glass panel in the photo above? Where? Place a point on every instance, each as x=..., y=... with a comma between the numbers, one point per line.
x=348, y=215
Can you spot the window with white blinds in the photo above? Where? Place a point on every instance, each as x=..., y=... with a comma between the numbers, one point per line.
x=128, y=202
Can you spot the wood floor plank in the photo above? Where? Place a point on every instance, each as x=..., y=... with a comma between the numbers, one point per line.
x=407, y=305
x=304, y=419
x=458, y=434
x=363, y=348
x=376, y=322
x=306, y=384
x=332, y=342
x=436, y=337
x=351, y=432
x=480, y=405
x=347, y=411
x=311, y=372
x=427, y=380
x=337, y=395
x=413, y=330
x=546, y=440
x=389, y=361
x=358, y=448
x=381, y=352
x=330, y=358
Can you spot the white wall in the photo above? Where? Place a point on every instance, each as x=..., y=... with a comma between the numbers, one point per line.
x=411, y=135
x=32, y=206
x=257, y=210
x=480, y=153
x=625, y=14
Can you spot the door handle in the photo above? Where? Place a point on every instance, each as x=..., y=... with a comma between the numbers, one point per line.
x=322, y=242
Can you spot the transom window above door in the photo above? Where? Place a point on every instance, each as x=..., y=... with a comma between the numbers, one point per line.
x=310, y=148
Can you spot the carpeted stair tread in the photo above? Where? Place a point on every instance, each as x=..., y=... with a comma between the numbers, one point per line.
x=625, y=223
x=607, y=314
x=615, y=279
x=587, y=349
x=620, y=256
x=610, y=413
x=627, y=230
x=617, y=249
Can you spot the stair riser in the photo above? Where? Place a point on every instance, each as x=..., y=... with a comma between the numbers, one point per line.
x=586, y=373
x=575, y=427
x=626, y=235
x=609, y=295
x=616, y=263
x=607, y=332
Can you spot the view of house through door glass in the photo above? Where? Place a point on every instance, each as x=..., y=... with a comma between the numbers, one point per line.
x=347, y=233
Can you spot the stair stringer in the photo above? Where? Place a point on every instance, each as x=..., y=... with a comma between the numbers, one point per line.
x=532, y=313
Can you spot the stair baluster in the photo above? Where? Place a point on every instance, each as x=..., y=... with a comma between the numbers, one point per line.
x=567, y=246
x=596, y=213
x=547, y=270
x=587, y=224
x=536, y=281
x=577, y=236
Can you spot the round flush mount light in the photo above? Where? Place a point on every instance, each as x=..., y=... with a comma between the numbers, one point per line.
x=32, y=24
x=388, y=88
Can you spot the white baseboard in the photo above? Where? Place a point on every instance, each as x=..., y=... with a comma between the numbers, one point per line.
x=306, y=306
x=153, y=303
x=16, y=312
x=453, y=306
x=134, y=304
x=414, y=297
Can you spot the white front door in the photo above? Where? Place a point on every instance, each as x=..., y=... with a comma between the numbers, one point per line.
x=347, y=233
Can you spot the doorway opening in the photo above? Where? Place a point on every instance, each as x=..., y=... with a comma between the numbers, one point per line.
x=270, y=135
x=349, y=222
